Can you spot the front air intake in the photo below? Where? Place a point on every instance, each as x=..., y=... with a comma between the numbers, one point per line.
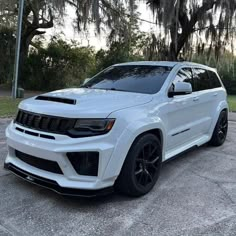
x=56, y=99
x=84, y=163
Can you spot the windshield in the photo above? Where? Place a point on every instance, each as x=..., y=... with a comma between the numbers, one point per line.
x=131, y=78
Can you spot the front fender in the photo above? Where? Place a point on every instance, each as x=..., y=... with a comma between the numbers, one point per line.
x=126, y=140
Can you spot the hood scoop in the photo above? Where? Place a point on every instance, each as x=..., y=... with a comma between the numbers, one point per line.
x=56, y=99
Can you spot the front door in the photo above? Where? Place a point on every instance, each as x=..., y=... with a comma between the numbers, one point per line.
x=182, y=114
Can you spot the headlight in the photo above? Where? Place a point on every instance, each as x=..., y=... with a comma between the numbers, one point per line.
x=91, y=127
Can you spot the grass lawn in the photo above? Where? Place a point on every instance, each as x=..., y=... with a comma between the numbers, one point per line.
x=232, y=102
x=8, y=106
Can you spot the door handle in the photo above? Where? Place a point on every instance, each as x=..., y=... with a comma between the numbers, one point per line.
x=196, y=99
x=215, y=94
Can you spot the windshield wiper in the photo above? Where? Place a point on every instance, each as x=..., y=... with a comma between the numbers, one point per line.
x=107, y=89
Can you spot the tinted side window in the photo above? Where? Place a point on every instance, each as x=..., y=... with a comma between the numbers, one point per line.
x=184, y=75
x=214, y=80
x=201, y=79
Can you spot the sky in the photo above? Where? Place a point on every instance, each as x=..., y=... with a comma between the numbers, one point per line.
x=67, y=32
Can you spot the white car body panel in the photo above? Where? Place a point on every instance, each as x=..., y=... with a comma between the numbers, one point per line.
x=92, y=103
x=134, y=113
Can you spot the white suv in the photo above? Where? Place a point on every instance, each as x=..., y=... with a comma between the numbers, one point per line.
x=118, y=128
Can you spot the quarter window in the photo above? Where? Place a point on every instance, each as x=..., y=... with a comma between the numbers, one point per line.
x=214, y=80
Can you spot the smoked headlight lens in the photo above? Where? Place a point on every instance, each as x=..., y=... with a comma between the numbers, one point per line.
x=91, y=127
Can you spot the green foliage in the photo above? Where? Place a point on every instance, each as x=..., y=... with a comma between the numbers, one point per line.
x=7, y=49
x=225, y=65
x=124, y=44
x=59, y=65
x=117, y=53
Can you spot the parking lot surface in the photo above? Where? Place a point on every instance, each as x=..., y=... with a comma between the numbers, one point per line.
x=195, y=195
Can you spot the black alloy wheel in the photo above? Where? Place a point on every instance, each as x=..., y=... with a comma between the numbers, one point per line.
x=147, y=162
x=221, y=129
x=142, y=166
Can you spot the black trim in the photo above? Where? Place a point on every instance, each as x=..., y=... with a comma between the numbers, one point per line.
x=19, y=129
x=43, y=164
x=172, y=94
x=183, y=131
x=56, y=99
x=53, y=185
x=35, y=134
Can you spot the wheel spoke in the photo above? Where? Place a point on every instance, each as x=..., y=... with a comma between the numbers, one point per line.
x=153, y=151
x=224, y=126
x=138, y=172
x=221, y=135
x=145, y=177
x=148, y=174
x=140, y=177
x=153, y=161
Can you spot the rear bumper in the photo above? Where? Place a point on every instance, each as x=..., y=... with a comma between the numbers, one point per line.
x=52, y=185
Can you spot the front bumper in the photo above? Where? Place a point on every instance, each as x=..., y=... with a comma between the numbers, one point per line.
x=53, y=185
x=56, y=150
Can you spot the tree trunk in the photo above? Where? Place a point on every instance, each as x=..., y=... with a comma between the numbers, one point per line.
x=26, y=40
x=172, y=55
x=24, y=50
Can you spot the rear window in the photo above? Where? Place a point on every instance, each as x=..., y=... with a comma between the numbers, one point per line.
x=131, y=78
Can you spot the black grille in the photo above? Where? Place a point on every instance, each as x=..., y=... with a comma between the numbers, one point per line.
x=40, y=163
x=45, y=123
x=56, y=99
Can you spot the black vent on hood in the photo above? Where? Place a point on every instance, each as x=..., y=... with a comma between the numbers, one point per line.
x=56, y=99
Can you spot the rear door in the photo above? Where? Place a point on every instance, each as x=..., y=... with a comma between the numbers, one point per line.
x=205, y=100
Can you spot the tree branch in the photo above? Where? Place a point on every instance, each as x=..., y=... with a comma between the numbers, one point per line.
x=47, y=24
x=201, y=11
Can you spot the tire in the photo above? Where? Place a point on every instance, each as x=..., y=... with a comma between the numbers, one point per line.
x=220, y=131
x=142, y=166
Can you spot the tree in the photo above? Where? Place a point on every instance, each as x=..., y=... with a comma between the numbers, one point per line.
x=7, y=40
x=180, y=19
x=7, y=48
x=38, y=15
x=57, y=65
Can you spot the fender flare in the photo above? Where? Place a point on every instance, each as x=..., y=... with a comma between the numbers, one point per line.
x=125, y=142
x=222, y=106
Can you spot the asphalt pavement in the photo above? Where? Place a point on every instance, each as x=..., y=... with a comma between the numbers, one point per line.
x=195, y=195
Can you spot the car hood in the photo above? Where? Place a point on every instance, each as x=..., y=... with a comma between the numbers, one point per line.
x=86, y=103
